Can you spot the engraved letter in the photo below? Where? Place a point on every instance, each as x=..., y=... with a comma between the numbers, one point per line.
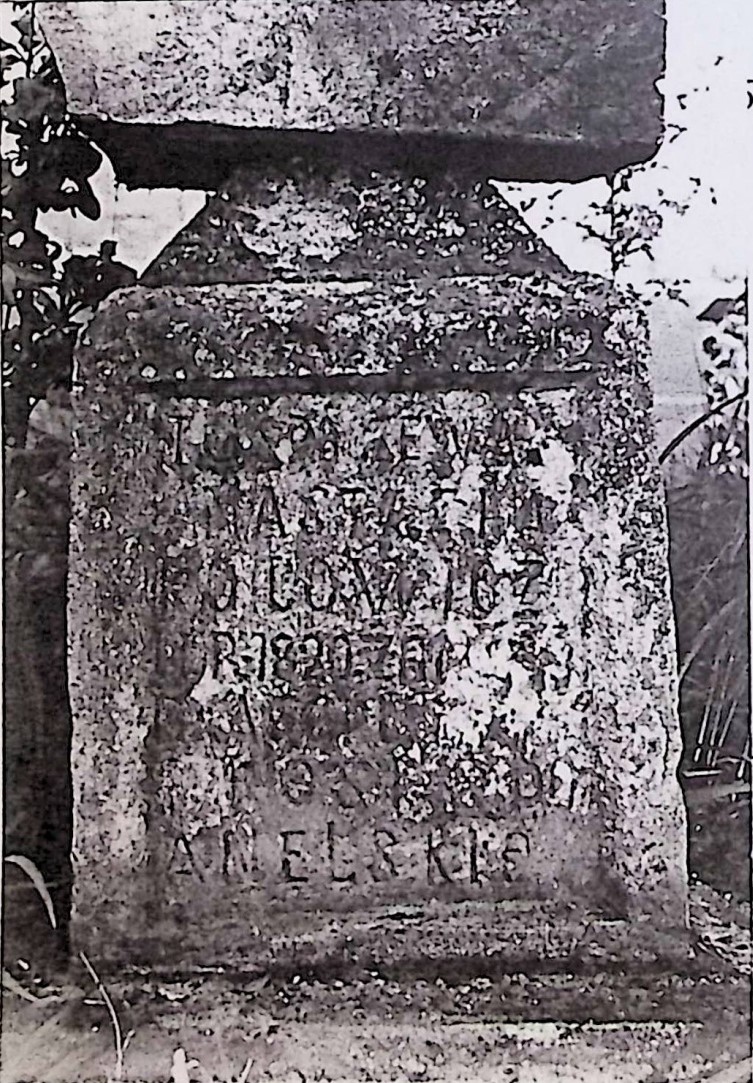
x=483, y=589
x=181, y=850
x=433, y=855
x=339, y=654
x=222, y=654
x=256, y=656
x=227, y=588
x=239, y=853
x=281, y=573
x=475, y=878
x=280, y=651
x=317, y=587
x=362, y=582
x=178, y=456
x=268, y=513
x=383, y=852
x=517, y=845
x=351, y=876
x=288, y=851
x=413, y=662
x=409, y=444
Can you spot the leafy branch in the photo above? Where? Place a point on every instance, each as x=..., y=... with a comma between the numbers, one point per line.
x=47, y=165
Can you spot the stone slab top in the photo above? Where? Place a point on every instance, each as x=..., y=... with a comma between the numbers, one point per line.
x=552, y=89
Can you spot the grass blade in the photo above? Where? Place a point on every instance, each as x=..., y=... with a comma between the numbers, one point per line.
x=37, y=880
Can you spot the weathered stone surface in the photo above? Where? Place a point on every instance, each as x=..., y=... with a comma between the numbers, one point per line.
x=374, y=1028
x=396, y=632
x=369, y=602
x=320, y=224
x=574, y=78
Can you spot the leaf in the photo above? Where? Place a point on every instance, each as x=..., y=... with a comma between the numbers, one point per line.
x=9, y=52
x=82, y=316
x=29, y=276
x=48, y=307
x=37, y=880
x=34, y=100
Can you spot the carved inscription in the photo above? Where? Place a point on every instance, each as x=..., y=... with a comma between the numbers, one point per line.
x=347, y=585
x=370, y=629
x=411, y=660
x=461, y=855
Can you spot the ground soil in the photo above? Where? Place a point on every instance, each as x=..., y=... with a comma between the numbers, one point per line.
x=520, y=1028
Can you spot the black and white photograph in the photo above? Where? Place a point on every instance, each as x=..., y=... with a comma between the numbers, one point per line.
x=376, y=623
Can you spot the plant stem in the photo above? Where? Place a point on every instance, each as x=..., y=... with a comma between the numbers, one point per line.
x=611, y=204
x=32, y=26
x=112, y=1013
x=675, y=442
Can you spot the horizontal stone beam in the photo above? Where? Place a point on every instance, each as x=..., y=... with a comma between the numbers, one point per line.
x=555, y=89
x=390, y=383
x=522, y=332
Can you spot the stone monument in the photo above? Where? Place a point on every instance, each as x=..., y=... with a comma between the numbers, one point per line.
x=371, y=647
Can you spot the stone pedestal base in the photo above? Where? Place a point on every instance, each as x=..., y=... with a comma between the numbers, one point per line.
x=369, y=600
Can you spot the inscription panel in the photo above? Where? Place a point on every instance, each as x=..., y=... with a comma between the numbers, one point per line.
x=375, y=691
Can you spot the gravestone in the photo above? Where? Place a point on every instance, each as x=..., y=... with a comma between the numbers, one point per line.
x=371, y=645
